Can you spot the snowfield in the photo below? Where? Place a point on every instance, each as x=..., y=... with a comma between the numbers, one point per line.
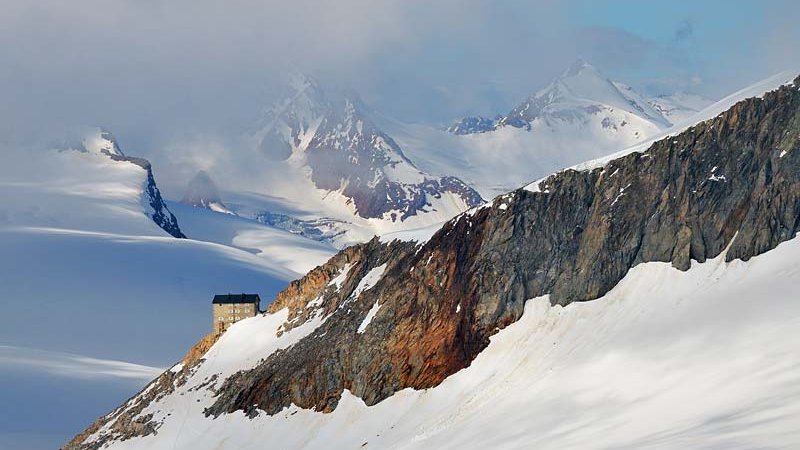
x=700, y=359
x=92, y=274
x=91, y=285
x=295, y=254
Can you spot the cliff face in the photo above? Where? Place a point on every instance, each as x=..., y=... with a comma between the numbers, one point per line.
x=404, y=314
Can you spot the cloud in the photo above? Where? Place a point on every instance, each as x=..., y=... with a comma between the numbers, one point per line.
x=192, y=63
x=70, y=365
x=163, y=73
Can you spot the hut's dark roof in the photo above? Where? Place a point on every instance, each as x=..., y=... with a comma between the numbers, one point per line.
x=223, y=299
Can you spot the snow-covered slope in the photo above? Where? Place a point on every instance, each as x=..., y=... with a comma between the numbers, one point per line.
x=618, y=372
x=85, y=270
x=293, y=252
x=689, y=255
x=709, y=112
x=679, y=106
x=89, y=262
x=578, y=116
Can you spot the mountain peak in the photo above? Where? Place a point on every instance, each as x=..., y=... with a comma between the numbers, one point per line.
x=580, y=66
x=101, y=141
x=300, y=82
x=202, y=192
x=343, y=150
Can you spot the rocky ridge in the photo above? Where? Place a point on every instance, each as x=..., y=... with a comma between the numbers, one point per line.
x=103, y=142
x=729, y=184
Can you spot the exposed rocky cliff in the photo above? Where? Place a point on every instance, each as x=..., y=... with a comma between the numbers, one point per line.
x=407, y=314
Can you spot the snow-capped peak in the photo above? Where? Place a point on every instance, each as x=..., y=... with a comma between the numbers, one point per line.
x=579, y=92
x=583, y=85
x=340, y=149
x=101, y=141
x=290, y=124
x=578, y=66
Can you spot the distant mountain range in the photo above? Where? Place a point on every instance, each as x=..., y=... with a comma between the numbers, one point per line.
x=335, y=170
x=581, y=94
x=580, y=115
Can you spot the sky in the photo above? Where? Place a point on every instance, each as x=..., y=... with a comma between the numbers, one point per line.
x=157, y=72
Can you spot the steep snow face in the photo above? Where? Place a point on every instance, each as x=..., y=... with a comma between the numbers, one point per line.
x=49, y=189
x=328, y=157
x=580, y=115
x=100, y=142
x=719, y=337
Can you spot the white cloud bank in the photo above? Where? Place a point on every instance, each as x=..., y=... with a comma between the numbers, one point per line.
x=70, y=365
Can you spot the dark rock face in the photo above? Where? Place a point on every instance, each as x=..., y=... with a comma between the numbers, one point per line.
x=159, y=212
x=473, y=125
x=732, y=183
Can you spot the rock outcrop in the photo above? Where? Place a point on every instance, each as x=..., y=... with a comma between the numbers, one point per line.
x=202, y=192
